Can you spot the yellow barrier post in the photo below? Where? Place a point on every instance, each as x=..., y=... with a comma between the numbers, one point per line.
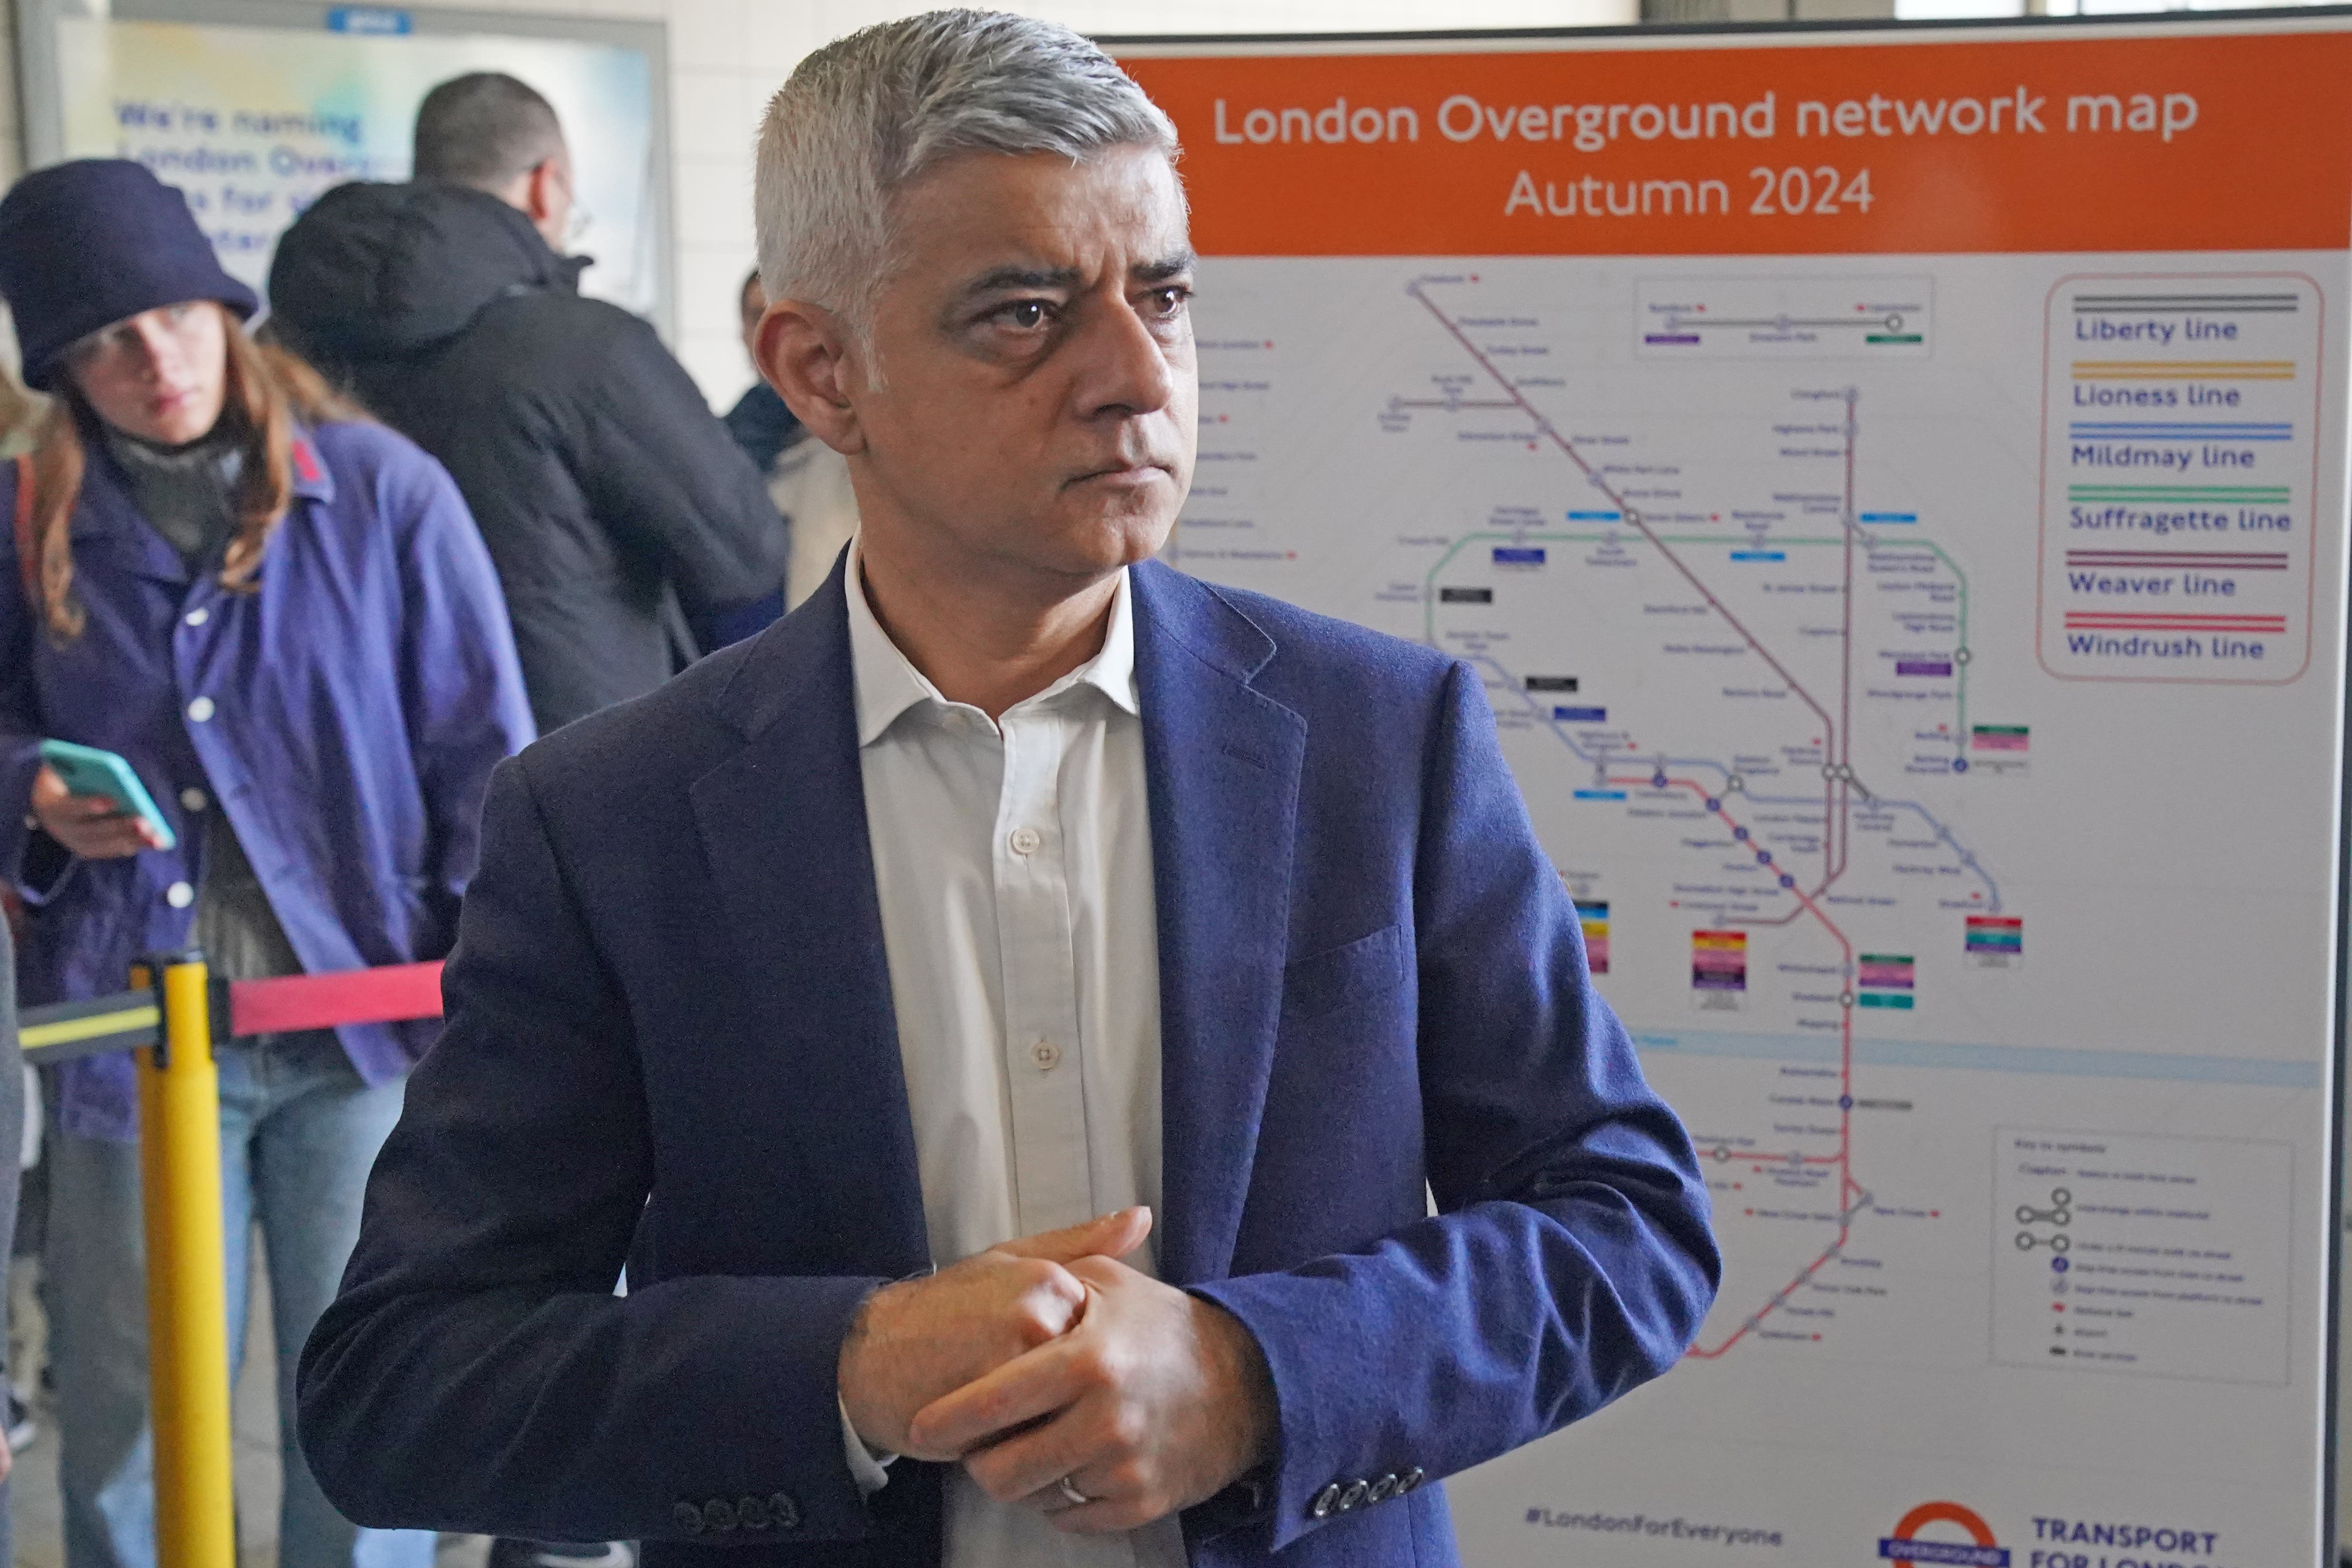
x=187, y=1286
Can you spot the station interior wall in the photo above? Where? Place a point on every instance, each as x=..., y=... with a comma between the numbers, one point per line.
x=726, y=56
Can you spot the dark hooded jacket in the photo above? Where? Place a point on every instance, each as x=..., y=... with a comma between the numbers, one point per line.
x=611, y=498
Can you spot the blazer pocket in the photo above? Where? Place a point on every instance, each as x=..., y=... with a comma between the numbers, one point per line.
x=1327, y=981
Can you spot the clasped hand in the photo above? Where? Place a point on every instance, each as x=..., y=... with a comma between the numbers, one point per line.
x=1047, y=1360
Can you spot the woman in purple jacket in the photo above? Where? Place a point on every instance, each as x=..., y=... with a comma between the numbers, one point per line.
x=282, y=616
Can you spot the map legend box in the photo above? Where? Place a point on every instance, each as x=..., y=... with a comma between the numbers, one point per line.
x=2180, y=477
x=1998, y=748
x=1885, y=980
x=2147, y=1256
x=1995, y=942
x=1718, y=970
x=1594, y=920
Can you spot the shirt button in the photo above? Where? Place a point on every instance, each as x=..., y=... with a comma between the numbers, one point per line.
x=201, y=709
x=193, y=798
x=1047, y=1055
x=1026, y=840
x=198, y=617
x=179, y=895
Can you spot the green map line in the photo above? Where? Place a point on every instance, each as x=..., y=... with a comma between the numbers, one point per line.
x=1743, y=541
x=2176, y=492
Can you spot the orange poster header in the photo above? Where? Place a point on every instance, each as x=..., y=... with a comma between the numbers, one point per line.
x=2212, y=141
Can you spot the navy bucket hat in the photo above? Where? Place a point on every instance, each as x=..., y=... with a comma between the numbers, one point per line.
x=86, y=243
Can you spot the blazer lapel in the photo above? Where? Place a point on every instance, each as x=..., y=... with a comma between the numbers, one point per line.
x=783, y=827
x=1222, y=763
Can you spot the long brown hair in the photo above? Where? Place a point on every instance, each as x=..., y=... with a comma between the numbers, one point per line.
x=269, y=388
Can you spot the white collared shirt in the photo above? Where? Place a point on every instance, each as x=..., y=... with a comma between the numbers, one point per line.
x=1012, y=861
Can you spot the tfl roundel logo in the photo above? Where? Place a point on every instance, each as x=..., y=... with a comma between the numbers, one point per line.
x=1906, y=1548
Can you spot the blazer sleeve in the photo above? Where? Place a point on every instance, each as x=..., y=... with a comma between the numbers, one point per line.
x=478, y=1374
x=1572, y=1259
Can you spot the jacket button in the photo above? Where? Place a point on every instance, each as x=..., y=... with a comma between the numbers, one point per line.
x=1381, y=1488
x=784, y=1512
x=195, y=799
x=201, y=709
x=719, y=1514
x=179, y=895
x=1353, y=1496
x=1326, y=1500
x=687, y=1517
x=1410, y=1480
x=752, y=1513
x=198, y=617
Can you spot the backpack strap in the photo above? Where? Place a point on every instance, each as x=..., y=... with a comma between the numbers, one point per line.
x=28, y=558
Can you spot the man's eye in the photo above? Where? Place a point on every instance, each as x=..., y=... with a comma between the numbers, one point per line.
x=1027, y=315
x=1168, y=301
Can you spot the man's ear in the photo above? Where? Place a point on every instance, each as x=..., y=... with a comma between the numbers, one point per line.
x=538, y=194
x=806, y=354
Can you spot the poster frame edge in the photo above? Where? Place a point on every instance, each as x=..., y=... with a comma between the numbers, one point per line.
x=2332, y=1545
x=1795, y=30
x=41, y=108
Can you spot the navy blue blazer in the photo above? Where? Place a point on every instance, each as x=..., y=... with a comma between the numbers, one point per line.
x=670, y=1022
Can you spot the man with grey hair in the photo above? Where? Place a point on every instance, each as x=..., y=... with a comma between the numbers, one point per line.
x=1019, y=1007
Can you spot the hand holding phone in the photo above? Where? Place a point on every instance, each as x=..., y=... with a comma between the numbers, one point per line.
x=92, y=802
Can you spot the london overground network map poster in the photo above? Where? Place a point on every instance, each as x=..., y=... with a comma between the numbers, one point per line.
x=1893, y=485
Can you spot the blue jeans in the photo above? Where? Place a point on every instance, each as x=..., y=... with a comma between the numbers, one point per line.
x=299, y=1133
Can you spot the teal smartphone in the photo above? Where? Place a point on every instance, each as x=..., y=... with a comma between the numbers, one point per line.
x=89, y=771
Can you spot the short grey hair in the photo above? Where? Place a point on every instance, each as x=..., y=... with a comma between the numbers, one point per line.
x=870, y=113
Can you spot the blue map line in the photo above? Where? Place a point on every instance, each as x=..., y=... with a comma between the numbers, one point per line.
x=2073, y=1061
x=1541, y=713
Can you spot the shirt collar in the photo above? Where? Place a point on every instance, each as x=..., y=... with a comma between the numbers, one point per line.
x=888, y=682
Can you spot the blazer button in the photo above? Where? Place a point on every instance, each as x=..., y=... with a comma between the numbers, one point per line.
x=1410, y=1480
x=687, y=1517
x=1326, y=1500
x=1381, y=1488
x=752, y=1513
x=784, y=1512
x=719, y=1514
x=1352, y=1496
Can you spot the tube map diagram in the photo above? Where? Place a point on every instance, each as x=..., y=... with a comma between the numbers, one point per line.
x=1861, y=637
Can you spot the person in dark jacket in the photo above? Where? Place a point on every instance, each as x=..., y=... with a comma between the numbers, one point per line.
x=808, y=480
x=282, y=618
x=762, y=422
x=611, y=498
x=765, y=428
